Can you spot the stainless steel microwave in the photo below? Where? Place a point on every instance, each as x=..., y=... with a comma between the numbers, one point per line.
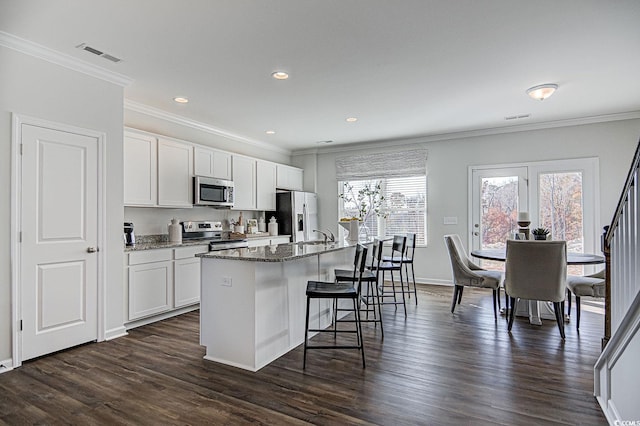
x=212, y=192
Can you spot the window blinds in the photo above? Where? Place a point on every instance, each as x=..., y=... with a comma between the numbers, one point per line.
x=382, y=165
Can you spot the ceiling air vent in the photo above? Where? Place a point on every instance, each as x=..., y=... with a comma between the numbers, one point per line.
x=517, y=117
x=97, y=52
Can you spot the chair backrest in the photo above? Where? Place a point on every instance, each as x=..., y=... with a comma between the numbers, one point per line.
x=362, y=264
x=399, y=245
x=411, y=246
x=460, y=263
x=357, y=258
x=536, y=270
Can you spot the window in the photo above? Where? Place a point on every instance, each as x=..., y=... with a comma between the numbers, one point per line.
x=401, y=202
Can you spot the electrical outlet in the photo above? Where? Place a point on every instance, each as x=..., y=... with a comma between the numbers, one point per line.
x=227, y=282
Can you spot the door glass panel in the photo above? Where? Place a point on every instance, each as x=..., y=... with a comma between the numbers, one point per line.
x=561, y=209
x=498, y=214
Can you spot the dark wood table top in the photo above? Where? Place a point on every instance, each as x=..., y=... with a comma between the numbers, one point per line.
x=572, y=258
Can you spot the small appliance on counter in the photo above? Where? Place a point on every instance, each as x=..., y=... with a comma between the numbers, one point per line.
x=129, y=236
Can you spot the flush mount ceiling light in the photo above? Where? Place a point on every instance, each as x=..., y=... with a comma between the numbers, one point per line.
x=351, y=119
x=280, y=75
x=542, y=92
x=181, y=99
x=270, y=132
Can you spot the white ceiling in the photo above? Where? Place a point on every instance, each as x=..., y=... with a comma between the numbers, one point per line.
x=406, y=68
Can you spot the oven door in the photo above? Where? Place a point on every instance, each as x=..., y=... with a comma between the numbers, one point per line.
x=212, y=192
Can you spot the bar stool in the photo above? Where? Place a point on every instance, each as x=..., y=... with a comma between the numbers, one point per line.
x=332, y=290
x=371, y=299
x=406, y=260
x=380, y=267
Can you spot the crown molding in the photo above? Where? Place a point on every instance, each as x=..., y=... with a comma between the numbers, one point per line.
x=37, y=50
x=630, y=115
x=187, y=122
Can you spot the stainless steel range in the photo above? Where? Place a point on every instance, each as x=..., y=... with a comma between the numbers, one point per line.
x=211, y=232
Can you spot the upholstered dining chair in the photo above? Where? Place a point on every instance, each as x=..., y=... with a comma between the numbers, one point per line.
x=537, y=270
x=588, y=285
x=467, y=273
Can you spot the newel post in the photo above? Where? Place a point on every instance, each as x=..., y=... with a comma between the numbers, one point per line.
x=606, y=250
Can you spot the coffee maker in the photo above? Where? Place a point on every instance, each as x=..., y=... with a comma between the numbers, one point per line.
x=129, y=236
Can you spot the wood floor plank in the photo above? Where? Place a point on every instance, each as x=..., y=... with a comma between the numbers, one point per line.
x=432, y=367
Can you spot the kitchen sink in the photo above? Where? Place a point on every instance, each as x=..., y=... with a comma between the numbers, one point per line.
x=314, y=243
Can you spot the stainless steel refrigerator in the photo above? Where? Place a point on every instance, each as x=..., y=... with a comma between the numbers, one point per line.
x=297, y=215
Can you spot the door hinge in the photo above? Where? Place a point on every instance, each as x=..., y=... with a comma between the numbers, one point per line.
x=20, y=236
x=20, y=325
x=21, y=145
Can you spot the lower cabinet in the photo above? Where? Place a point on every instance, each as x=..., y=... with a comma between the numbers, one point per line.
x=162, y=280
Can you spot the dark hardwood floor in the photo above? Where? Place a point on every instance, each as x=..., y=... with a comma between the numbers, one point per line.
x=433, y=368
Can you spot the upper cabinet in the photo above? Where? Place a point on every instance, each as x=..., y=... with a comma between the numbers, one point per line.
x=212, y=163
x=244, y=181
x=158, y=172
x=265, y=185
x=175, y=173
x=288, y=177
x=140, y=170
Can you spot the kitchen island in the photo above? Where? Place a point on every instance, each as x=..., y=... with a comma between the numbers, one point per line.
x=253, y=300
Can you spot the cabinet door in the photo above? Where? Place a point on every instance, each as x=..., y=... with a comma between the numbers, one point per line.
x=212, y=163
x=265, y=185
x=244, y=179
x=149, y=289
x=289, y=178
x=175, y=174
x=140, y=170
x=186, y=284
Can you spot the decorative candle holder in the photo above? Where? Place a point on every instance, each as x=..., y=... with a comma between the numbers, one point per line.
x=524, y=228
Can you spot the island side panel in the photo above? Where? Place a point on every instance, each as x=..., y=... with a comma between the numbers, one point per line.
x=227, y=312
x=281, y=306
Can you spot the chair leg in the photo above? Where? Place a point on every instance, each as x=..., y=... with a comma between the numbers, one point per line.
x=512, y=301
x=506, y=304
x=306, y=336
x=359, y=330
x=499, y=304
x=460, y=294
x=456, y=289
x=496, y=297
x=577, y=313
x=413, y=276
x=559, y=310
x=568, y=302
x=379, y=308
x=404, y=303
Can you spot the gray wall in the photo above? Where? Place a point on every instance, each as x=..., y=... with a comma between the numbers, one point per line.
x=448, y=160
x=33, y=87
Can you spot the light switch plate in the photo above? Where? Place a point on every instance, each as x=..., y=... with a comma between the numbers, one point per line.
x=450, y=220
x=227, y=282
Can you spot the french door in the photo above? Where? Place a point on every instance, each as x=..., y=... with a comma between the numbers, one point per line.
x=559, y=195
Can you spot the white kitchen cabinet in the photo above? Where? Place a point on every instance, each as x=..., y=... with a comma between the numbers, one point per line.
x=140, y=170
x=244, y=180
x=175, y=173
x=265, y=185
x=212, y=163
x=186, y=281
x=150, y=283
x=290, y=178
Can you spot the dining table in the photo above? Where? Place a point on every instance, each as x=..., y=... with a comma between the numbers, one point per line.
x=534, y=309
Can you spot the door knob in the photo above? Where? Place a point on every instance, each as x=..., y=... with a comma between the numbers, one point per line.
x=476, y=234
x=92, y=249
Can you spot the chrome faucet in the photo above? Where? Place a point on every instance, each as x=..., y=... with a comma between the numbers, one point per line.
x=332, y=237
x=324, y=234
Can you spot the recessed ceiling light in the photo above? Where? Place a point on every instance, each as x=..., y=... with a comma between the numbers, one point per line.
x=542, y=91
x=270, y=132
x=280, y=75
x=351, y=120
x=181, y=99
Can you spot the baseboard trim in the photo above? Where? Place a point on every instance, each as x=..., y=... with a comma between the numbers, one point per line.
x=114, y=333
x=163, y=316
x=6, y=365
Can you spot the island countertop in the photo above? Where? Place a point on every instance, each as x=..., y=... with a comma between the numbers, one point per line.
x=278, y=253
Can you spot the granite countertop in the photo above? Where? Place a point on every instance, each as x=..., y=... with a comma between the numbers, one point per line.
x=278, y=253
x=161, y=241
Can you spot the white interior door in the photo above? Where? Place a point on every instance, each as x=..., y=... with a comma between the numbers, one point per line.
x=59, y=225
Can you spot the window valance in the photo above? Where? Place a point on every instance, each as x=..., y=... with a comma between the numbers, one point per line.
x=382, y=165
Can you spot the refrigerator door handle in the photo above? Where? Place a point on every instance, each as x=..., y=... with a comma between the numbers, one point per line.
x=304, y=222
